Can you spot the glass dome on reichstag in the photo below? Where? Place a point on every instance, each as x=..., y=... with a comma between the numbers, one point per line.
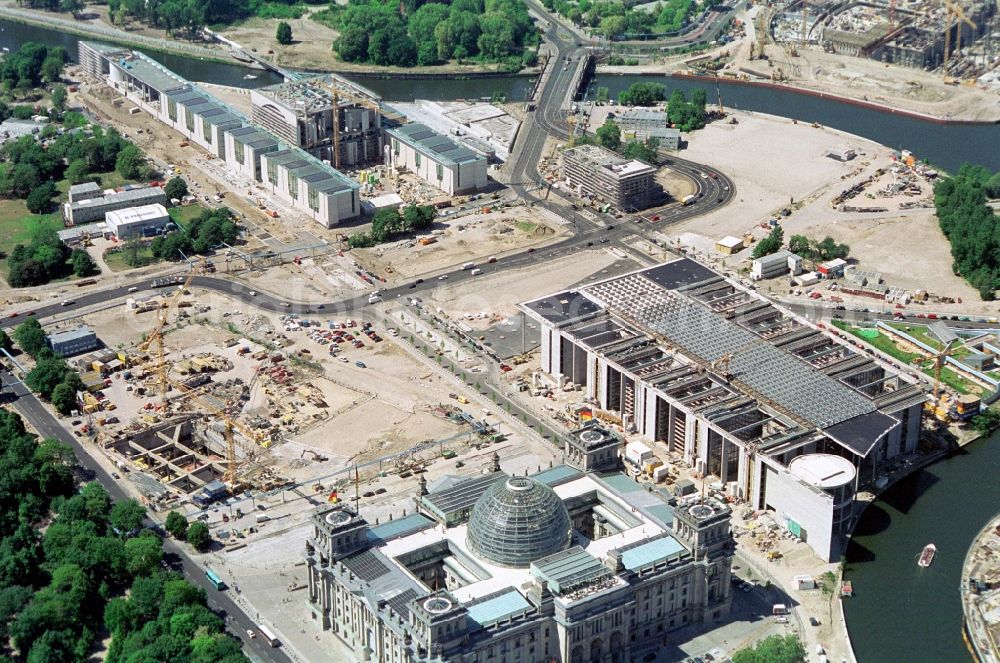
x=518, y=521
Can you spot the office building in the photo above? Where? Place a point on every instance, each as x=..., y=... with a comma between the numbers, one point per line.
x=296, y=177
x=776, y=264
x=437, y=159
x=736, y=385
x=598, y=173
x=559, y=566
x=73, y=341
x=96, y=208
x=137, y=221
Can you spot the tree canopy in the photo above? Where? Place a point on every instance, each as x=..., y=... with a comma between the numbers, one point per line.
x=770, y=244
x=609, y=135
x=972, y=227
x=283, y=34
x=825, y=249
x=390, y=223
x=642, y=94
x=773, y=649
x=412, y=32
x=202, y=235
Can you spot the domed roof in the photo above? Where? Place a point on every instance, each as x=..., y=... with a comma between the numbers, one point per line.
x=518, y=521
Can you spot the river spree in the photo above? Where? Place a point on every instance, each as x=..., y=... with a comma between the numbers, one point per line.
x=901, y=612
x=945, y=146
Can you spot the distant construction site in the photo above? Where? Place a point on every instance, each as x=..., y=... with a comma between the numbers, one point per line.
x=959, y=37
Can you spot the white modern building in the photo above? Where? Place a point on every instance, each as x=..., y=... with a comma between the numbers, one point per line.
x=437, y=159
x=776, y=264
x=137, y=221
x=95, y=208
x=737, y=385
x=593, y=171
x=310, y=185
x=560, y=566
x=293, y=175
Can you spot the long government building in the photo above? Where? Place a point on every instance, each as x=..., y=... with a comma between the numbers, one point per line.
x=791, y=418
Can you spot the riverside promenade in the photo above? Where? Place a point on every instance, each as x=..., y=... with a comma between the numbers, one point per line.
x=981, y=594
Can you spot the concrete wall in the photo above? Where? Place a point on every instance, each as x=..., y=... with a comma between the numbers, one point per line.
x=811, y=508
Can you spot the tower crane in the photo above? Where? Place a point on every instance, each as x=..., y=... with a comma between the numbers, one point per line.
x=956, y=12
x=231, y=477
x=155, y=337
x=337, y=93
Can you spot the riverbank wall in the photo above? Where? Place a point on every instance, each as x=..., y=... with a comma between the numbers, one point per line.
x=888, y=110
x=977, y=632
x=120, y=37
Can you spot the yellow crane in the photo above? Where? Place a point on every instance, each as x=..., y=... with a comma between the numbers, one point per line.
x=337, y=94
x=155, y=338
x=954, y=12
x=231, y=477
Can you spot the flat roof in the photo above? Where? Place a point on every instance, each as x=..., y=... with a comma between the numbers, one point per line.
x=399, y=527
x=439, y=146
x=564, y=306
x=823, y=470
x=861, y=433
x=70, y=334
x=84, y=187
x=568, y=569
x=138, y=214
x=650, y=553
x=557, y=475
x=499, y=607
x=145, y=69
x=730, y=242
x=463, y=495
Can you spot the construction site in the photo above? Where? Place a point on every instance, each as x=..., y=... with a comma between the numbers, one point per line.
x=957, y=37
x=199, y=402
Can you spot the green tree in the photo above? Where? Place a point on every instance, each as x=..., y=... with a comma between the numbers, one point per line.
x=126, y=516
x=5, y=342
x=770, y=244
x=176, y=188
x=48, y=372
x=83, y=264
x=987, y=421
x=133, y=253
x=773, y=649
x=77, y=172
x=63, y=398
x=130, y=163
x=59, y=96
x=199, y=537
x=283, y=35
x=30, y=336
x=177, y=525
x=602, y=95
x=801, y=245
x=143, y=555
x=609, y=135
x=40, y=199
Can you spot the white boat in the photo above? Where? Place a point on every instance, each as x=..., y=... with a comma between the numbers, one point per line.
x=927, y=556
x=250, y=77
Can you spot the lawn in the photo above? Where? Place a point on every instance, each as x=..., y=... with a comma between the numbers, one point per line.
x=889, y=347
x=17, y=224
x=116, y=260
x=184, y=214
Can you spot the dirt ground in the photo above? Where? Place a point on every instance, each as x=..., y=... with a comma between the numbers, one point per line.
x=498, y=294
x=469, y=238
x=311, y=47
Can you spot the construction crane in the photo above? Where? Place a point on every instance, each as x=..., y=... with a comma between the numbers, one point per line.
x=954, y=12
x=337, y=94
x=155, y=337
x=231, y=476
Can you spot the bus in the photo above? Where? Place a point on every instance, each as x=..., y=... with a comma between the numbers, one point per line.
x=266, y=634
x=214, y=579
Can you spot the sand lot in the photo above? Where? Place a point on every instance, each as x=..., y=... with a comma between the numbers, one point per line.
x=498, y=294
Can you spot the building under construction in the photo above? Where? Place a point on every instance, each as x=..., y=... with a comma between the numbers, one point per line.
x=736, y=387
x=917, y=33
x=302, y=113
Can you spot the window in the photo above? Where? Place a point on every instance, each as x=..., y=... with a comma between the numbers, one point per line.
x=206, y=130
x=416, y=159
x=272, y=172
x=189, y=119
x=313, y=198
x=440, y=172
x=239, y=153
x=395, y=146
x=172, y=110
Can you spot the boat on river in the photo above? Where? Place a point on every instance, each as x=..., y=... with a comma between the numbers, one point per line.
x=250, y=77
x=927, y=556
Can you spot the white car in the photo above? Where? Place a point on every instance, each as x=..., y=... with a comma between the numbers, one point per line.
x=251, y=634
x=253, y=293
x=442, y=277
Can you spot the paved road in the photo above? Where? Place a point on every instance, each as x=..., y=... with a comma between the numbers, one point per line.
x=29, y=407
